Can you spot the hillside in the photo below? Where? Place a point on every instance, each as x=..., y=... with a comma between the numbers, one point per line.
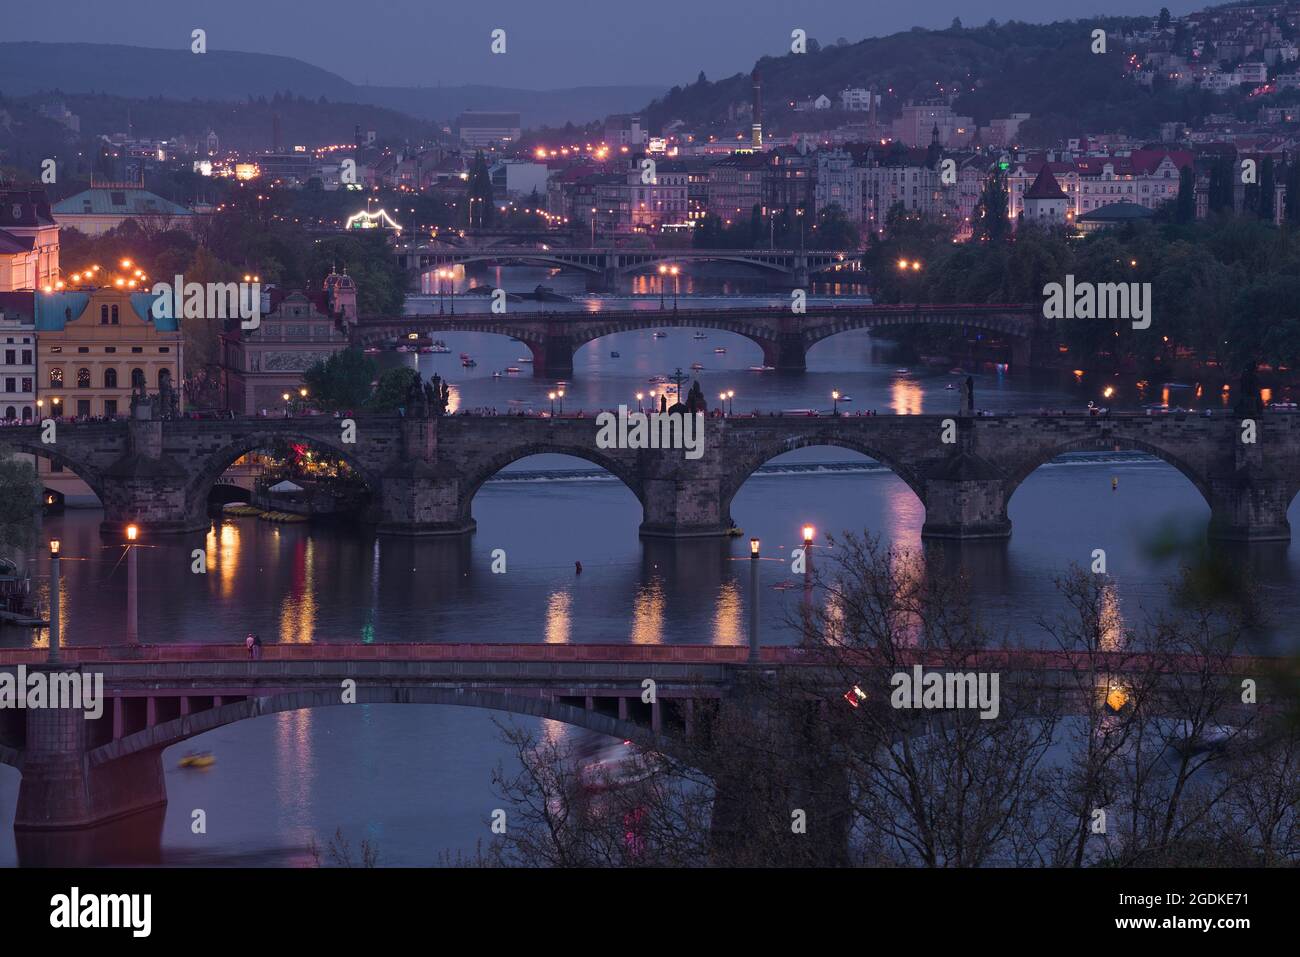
x=1047, y=70
x=219, y=75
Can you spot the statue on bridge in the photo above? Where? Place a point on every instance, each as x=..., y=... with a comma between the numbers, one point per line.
x=1249, y=404
x=970, y=395
x=427, y=399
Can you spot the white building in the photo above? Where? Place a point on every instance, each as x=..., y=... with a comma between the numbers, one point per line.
x=839, y=182
x=17, y=357
x=856, y=99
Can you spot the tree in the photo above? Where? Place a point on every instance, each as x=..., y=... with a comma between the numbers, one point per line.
x=1267, y=189
x=1163, y=22
x=342, y=382
x=991, y=222
x=393, y=388
x=482, y=207
x=19, y=493
x=1293, y=192
x=1185, y=205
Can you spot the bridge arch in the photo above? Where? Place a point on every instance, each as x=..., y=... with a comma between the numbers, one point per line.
x=742, y=467
x=214, y=465
x=53, y=453
x=484, y=470
x=505, y=256
x=167, y=733
x=1111, y=443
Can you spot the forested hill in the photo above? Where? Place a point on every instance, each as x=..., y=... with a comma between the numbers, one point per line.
x=1047, y=70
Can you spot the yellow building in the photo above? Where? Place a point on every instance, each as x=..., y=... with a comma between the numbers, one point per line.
x=92, y=349
x=29, y=240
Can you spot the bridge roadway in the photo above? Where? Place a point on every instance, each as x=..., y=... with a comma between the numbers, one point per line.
x=554, y=337
x=423, y=473
x=79, y=772
x=604, y=266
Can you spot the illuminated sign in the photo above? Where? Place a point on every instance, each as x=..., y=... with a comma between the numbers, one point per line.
x=368, y=220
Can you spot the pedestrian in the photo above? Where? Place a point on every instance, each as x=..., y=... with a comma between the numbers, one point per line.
x=257, y=647
x=248, y=643
x=577, y=568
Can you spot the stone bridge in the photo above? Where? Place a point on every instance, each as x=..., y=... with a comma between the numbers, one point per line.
x=80, y=770
x=785, y=337
x=424, y=473
x=793, y=267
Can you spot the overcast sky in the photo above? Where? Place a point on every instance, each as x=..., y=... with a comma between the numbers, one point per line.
x=549, y=44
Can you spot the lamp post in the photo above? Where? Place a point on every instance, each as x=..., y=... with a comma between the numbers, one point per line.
x=835, y=402
x=663, y=271
x=674, y=271
x=731, y=403
x=285, y=397
x=722, y=397
x=132, y=587
x=439, y=275
x=808, y=533
x=753, y=601
x=639, y=397
x=593, y=227
x=551, y=396
x=54, y=600
x=559, y=394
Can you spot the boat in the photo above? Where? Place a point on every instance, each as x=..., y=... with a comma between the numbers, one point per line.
x=699, y=335
x=464, y=355
x=512, y=368
x=657, y=379
x=439, y=346
x=660, y=335
x=526, y=360
x=845, y=398
x=468, y=363
x=762, y=368
x=735, y=532
x=800, y=412
x=614, y=355
x=950, y=386
x=903, y=371
x=697, y=366
x=720, y=351
x=197, y=759
x=497, y=375
x=402, y=349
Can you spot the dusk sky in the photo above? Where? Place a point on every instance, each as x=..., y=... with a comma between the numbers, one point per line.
x=556, y=44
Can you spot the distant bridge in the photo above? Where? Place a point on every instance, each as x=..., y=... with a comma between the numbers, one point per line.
x=784, y=335
x=793, y=267
x=79, y=772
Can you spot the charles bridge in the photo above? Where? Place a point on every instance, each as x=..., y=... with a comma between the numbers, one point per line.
x=784, y=335
x=423, y=472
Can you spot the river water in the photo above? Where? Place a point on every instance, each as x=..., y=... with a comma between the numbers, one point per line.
x=416, y=780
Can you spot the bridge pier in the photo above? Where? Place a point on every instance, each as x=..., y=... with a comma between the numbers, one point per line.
x=683, y=498
x=553, y=357
x=1250, y=509
x=148, y=488
x=61, y=789
x=419, y=495
x=786, y=353
x=965, y=509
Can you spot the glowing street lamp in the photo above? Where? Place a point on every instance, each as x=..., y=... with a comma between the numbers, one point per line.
x=753, y=601
x=551, y=396
x=54, y=599
x=731, y=405
x=835, y=402
x=132, y=587
x=559, y=394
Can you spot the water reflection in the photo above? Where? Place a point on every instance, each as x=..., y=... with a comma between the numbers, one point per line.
x=906, y=397
x=559, y=618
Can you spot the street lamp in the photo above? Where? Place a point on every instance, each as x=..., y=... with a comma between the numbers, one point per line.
x=673, y=270
x=639, y=397
x=559, y=394
x=722, y=397
x=551, y=396
x=808, y=533
x=663, y=271
x=835, y=402
x=132, y=582
x=731, y=395
x=54, y=600
x=753, y=601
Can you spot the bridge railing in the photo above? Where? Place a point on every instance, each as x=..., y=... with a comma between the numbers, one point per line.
x=988, y=660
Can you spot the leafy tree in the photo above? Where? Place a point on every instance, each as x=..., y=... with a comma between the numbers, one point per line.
x=19, y=492
x=1267, y=188
x=479, y=199
x=393, y=388
x=1185, y=204
x=991, y=222
x=1293, y=192
x=342, y=382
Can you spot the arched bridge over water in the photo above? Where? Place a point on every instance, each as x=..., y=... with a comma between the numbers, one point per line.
x=784, y=336
x=423, y=473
